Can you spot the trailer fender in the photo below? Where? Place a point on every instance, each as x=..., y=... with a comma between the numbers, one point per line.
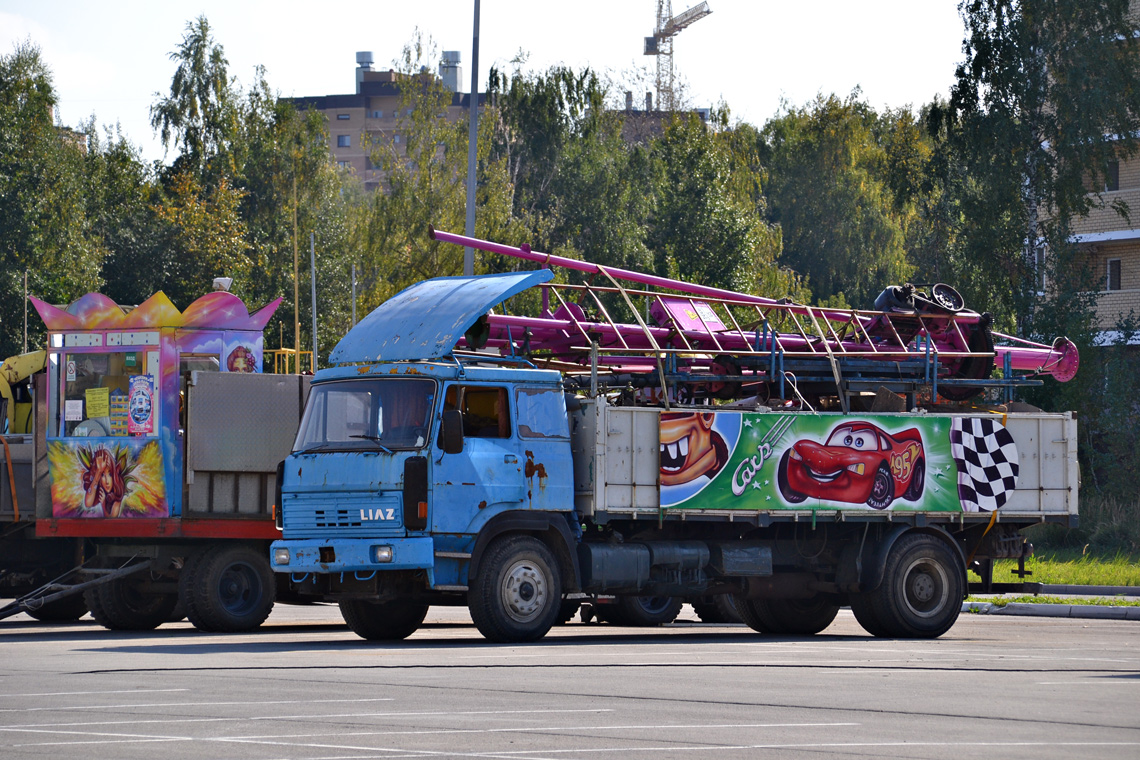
x=553, y=527
x=862, y=570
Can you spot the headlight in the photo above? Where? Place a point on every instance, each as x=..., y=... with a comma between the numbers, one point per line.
x=794, y=454
x=856, y=468
x=281, y=556
x=382, y=553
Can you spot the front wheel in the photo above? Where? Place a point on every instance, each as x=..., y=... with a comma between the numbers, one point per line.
x=921, y=593
x=382, y=621
x=800, y=617
x=882, y=489
x=517, y=594
x=790, y=495
x=125, y=604
x=64, y=610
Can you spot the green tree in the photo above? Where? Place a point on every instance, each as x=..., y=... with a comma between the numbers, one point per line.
x=1048, y=95
x=44, y=226
x=200, y=116
x=828, y=191
x=708, y=225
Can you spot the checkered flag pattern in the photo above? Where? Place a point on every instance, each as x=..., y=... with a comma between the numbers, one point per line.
x=986, y=456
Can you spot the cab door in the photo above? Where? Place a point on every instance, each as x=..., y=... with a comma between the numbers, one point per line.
x=488, y=474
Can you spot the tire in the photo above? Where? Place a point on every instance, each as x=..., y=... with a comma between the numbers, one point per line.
x=646, y=611
x=882, y=489
x=123, y=605
x=229, y=589
x=800, y=617
x=717, y=609
x=917, y=482
x=864, y=612
x=518, y=592
x=64, y=610
x=790, y=495
x=382, y=621
x=921, y=593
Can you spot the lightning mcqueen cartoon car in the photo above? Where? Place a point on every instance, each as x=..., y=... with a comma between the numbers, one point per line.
x=859, y=463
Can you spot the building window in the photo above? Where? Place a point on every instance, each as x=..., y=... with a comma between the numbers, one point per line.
x=1113, y=275
x=343, y=141
x=1112, y=177
x=396, y=139
x=344, y=164
x=408, y=112
x=342, y=117
x=377, y=114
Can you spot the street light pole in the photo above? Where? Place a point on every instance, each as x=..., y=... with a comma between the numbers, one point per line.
x=472, y=144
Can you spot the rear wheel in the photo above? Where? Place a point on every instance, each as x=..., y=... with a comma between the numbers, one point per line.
x=517, y=594
x=126, y=605
x=229, y=589
x=917, y=481
x=382, y=621
x=717, y=609
x=802, y=617
x=646, y=611
x=921, y=593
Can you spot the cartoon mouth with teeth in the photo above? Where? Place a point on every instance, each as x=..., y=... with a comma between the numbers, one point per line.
x=690, y=447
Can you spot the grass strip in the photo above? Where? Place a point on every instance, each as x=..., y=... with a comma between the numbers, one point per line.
x=1097, y=601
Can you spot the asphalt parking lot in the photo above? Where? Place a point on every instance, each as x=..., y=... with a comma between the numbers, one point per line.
x=305, y=688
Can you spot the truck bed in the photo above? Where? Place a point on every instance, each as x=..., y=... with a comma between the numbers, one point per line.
x=617, y=455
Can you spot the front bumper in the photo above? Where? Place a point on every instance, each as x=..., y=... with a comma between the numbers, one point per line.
x=352, y=555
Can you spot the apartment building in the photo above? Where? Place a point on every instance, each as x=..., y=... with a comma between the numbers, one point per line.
x=371, y=115
x=1112, y=241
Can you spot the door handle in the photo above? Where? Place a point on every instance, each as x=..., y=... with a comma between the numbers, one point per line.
x=510, y=459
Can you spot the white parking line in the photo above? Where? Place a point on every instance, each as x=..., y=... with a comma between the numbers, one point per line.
x=306, y=716
x=85, y=693
x=64, y=708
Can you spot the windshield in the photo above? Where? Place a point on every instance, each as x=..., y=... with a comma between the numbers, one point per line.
x=367, y=414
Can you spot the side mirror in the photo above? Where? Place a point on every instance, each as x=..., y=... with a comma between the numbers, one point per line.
x=451, y=435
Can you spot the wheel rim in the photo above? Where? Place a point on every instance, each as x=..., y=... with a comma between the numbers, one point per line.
x=925, y=587
x=655, y=605
x=239, y=589
x=525, y=591
x=880, y=486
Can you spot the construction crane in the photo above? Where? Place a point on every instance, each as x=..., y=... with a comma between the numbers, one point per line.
x=661, y=45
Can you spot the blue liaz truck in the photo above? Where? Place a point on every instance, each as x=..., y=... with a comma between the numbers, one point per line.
x=445, y=459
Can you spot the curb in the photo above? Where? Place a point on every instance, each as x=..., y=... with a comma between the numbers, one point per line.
x=1085, y=611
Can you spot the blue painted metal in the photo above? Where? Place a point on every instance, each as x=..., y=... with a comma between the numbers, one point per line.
x=425, y=321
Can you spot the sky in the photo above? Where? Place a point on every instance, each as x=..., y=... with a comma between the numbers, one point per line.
x=112, y=59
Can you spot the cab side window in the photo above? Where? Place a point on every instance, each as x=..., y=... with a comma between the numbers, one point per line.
x=486, y=411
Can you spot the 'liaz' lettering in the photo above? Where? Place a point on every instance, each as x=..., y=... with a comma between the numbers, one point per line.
x=378, y=514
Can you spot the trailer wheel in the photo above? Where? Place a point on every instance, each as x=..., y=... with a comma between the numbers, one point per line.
x=646, y=611
x=800, y=617
x=790, y=495
x=921, y=593
x=230, y=589
x=717, y=609
x=62, y=610
x=882, y=488
x=518, y=592
x=123, y=605
x=382, y=621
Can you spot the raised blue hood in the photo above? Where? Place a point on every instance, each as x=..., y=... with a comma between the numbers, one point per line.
x=425, y=321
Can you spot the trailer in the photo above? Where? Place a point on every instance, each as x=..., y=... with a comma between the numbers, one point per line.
x=460, y=454
x=144, y=492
